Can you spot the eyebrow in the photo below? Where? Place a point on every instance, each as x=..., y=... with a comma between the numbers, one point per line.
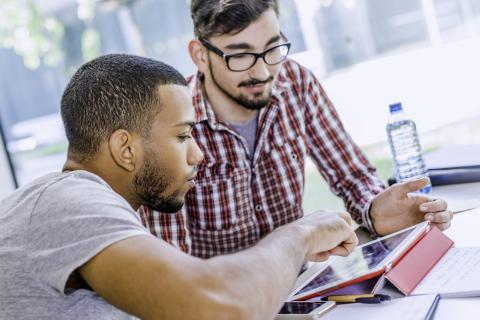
x=244, y=45
x=185, y=124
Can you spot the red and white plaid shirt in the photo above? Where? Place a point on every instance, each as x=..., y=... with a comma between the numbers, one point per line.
x=238, y=200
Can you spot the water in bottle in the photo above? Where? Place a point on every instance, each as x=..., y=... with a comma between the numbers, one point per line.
x=404, y=143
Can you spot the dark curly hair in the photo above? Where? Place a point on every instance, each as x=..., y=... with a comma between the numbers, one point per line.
x=216, y=17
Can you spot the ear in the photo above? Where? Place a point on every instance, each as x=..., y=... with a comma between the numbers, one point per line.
x=198, y=54
x=124, y=149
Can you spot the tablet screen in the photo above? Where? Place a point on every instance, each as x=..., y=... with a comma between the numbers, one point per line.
x=300, y=307
x=362, y=260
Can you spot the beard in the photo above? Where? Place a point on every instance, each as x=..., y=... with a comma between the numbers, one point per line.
x=150, y=184
x=256, y=103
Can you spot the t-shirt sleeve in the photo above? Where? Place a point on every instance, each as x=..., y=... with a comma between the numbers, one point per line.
x=73, y=221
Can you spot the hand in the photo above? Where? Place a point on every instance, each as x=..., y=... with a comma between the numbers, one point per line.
x=330, y=234
x=397, y=208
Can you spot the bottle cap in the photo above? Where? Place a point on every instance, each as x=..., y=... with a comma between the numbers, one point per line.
x=395, y=107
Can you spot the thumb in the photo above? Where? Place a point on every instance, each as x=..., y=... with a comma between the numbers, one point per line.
x=411, y=186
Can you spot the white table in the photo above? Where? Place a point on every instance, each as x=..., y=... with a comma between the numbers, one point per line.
x=458, y=191
x=465, y=229
x=465, y=232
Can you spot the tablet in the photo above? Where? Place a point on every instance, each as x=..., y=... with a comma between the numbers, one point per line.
x=302, y=310
x=365, y=262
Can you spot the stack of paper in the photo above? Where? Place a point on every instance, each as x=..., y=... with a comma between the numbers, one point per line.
x=457, y=274
x=409, y=308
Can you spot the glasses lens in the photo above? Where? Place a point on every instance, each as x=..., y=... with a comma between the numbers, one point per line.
x=241, y=62
x=277, y=54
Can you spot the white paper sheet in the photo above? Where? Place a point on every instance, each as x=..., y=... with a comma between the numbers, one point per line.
x=462, y=308
x=409, y=308
x=457, y=274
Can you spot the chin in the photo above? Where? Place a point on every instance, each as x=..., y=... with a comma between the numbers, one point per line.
x=169, y=205
x=260, y=97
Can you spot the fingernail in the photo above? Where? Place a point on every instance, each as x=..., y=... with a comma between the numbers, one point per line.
x=423, y=208
x=429, y=217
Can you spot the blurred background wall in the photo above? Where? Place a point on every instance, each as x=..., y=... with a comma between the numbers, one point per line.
x=367, y=53
x=7, y=183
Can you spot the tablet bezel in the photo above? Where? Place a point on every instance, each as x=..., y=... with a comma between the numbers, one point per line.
x=314, y=314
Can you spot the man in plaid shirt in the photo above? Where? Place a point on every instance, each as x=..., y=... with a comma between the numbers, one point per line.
x=259, y=116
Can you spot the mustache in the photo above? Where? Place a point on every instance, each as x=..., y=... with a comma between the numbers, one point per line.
x=253, y=82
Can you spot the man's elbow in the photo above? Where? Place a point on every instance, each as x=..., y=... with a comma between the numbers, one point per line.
x=219, y=300
x=227, y=297
x=232, y=310
x=203, y=304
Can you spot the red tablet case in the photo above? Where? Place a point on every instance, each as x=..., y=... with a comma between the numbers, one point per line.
x=419, y=260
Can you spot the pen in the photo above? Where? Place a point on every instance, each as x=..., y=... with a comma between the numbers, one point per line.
x=359, y=298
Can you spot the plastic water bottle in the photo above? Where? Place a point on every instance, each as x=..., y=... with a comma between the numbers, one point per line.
x=408, y=163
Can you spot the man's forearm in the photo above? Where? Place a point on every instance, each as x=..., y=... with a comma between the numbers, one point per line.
x=260, y=278
x=153, y=280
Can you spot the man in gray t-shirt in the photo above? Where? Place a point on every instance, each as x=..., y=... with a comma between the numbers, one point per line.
x=44, y=245
x=73, y=247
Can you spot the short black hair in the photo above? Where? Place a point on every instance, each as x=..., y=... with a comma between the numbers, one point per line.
x=111, y=92
x=217, y=17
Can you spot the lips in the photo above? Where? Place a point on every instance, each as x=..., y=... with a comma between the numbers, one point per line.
x=191, y=183
x=191, y=180
x=193, y=176
x=255, y=82
x=257, y=88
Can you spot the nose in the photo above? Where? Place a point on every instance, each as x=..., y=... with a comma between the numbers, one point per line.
x=259, y=70
x=195, y=155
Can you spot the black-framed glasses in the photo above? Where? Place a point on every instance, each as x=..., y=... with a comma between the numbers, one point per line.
x=243, y=61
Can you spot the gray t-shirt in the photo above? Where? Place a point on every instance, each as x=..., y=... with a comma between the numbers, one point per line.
x=248, y=131
x=48, y=229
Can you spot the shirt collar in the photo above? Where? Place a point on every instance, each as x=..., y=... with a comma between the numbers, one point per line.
x=203, y=110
